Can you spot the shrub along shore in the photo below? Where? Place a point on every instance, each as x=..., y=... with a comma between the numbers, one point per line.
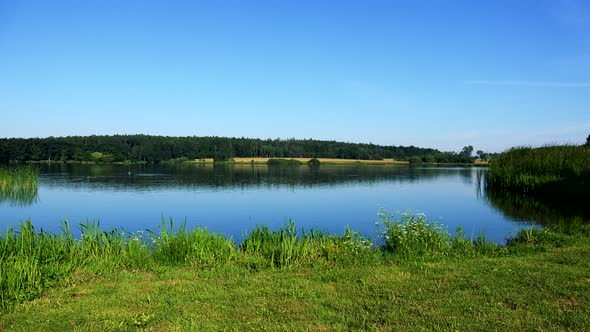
x=414, y=275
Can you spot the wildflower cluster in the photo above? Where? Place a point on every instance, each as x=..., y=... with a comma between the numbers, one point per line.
x=412, y=234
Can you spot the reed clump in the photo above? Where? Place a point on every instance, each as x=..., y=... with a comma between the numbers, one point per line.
x=197, y=247
x=263, y=247
x=19, y=185
x=549, y=169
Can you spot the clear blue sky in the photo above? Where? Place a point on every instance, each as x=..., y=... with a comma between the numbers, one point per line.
x=440, y=74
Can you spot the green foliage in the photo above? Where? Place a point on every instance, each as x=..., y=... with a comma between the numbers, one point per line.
x=313, y=162
x=563, y=169
x=465, y=154
x=284, y=247
x=175, y=161
x=531, y=235
x=198, y=247
x=415, y=160
x=32, y=261
x=155, y=149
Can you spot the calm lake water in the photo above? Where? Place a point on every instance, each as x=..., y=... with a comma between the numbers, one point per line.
x=233, y=199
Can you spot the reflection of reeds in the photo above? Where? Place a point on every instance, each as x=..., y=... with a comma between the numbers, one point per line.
x=546, y=185
x=542, y=210
x=549, y=169
x=19, y=185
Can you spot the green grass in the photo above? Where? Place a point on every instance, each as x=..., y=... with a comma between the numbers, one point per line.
x=550, y=169
x=417, y=277
x=18, y=185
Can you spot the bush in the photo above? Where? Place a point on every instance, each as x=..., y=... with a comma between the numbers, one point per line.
x=415, y=160
x=314, y=162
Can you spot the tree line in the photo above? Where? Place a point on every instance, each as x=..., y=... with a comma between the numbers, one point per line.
x=155, y=149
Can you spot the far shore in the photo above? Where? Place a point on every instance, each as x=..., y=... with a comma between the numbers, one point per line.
x=264, y=161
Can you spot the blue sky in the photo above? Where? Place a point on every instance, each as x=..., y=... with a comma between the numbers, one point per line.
x=442, y=74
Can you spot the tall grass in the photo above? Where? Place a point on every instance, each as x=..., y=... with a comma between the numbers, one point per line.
x=198, y=247
x=541, y=170
x=286, y=246
x=19, y=185
x=31, y=260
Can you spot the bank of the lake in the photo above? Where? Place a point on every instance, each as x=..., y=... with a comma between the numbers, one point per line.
x=264, y=161
x=539, y=281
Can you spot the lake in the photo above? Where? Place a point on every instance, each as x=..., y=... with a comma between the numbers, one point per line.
x=231, y=199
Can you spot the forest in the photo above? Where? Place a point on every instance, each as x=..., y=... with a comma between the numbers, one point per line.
x=155, y=149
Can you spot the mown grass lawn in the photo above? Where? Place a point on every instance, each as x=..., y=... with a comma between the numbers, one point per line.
x=536, y=289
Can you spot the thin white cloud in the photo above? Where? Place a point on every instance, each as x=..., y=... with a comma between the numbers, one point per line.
x=548, y=84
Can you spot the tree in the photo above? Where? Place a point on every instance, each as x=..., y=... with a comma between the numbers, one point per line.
x=482, y=155
x=467, y=150
x=465, y=154
x=588, y=140
x=415, y=160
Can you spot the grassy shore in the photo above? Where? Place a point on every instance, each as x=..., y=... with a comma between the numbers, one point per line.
x=417, y=277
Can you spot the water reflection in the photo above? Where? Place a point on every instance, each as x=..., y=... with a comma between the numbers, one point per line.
x=541, y=210
x=18, y=185
x=156, y=177
x=22, y=196
x=144, y=178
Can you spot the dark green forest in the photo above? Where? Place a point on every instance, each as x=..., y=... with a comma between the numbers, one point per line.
x=155, y=149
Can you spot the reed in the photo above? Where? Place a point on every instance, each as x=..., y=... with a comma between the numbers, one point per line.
x=286, y=246
x=198, y=247
x=549, y=169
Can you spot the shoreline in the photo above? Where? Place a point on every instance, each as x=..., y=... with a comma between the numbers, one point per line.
x=264, y=161
x=194, y=281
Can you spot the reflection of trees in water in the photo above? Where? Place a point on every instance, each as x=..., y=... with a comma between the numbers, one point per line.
x=543, y=210
x=147, y=177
